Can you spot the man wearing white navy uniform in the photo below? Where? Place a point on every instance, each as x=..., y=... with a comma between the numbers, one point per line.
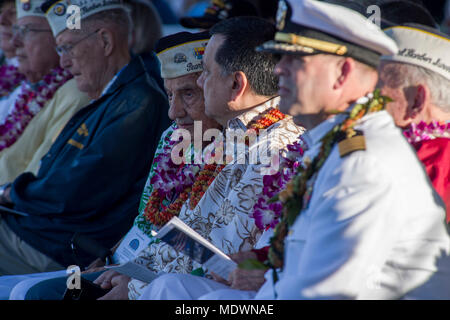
x=373, y=227
x=361, y=220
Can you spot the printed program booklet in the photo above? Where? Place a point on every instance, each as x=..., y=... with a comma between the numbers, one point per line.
x=184, y=239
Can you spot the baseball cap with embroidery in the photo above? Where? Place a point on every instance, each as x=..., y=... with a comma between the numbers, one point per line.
x=181, y=53
x=26, y=8
x=57, y=13
x=421, y=46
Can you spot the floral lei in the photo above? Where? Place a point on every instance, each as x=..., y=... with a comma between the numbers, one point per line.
x=426, y=131
x=210, y=172
x=296, y=194
x=188, y=181
x=29, y=103
x=10, y=78
x=169, y=178
x=267, y=213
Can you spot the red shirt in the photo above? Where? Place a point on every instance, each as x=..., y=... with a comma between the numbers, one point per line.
x=435, y=155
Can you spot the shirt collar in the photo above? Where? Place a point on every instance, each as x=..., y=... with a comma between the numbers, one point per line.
x=313, y=136
x=243, y=119
x=110, y=83
x=12, y=61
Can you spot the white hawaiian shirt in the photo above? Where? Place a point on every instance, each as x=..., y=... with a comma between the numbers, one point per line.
x=222, y=214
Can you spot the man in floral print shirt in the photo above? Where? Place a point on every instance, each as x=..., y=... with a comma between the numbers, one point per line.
x=359, y=219
x=221, y=215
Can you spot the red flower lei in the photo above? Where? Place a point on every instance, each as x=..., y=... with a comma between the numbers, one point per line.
x=29, y=103
x=211, y=171
x=169, y=177
x=158, y=214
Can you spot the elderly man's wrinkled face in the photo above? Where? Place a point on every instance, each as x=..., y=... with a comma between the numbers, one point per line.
x=186, y=103
x=35, y=47
x=7, y=19
x=81, y=54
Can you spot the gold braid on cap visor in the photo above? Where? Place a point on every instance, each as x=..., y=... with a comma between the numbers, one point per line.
x=311, y=43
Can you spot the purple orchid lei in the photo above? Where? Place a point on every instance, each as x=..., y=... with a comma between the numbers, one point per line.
x=426, y=131
x=29, y=103
x=170, y=176
x=10, y=78
x=266, y=213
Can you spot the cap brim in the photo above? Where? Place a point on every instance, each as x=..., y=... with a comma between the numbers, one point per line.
x=277, y=47
x=198, y=22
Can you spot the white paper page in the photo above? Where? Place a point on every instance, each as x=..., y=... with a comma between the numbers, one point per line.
x=136, y=271
x=220, y=266
x=179, y=224
x=133, y=243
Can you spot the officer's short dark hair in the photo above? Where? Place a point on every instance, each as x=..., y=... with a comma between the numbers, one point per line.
x=237, y=53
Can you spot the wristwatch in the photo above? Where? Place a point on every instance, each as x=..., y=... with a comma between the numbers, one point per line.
x=2, y=192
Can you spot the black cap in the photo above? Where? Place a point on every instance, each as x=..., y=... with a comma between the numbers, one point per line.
x=399, y=12
x=219, y=10
x=47, y=5
x=179, y=38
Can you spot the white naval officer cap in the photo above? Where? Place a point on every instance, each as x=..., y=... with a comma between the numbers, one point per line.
x=307, y=27
x=421, y=46
x=56, y=11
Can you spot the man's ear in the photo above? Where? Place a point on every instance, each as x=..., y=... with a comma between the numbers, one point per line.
x=345, y=68
x=239, y=85
x=421, y=95
x=107, y=41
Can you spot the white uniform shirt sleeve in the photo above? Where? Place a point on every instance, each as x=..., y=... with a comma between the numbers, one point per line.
x=334, y=250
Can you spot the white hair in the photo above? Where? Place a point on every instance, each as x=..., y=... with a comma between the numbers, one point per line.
x=396, y=74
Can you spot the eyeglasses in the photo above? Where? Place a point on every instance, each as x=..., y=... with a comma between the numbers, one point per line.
x=21, y=31
x=67, y=48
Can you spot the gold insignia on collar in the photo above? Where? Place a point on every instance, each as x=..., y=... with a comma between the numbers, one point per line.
x=349, y=145
x=83, y=130
x=75, y=144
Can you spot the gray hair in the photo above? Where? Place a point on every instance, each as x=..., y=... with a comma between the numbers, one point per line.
x=147, y=25
x=396, y=75
x=120, y=19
